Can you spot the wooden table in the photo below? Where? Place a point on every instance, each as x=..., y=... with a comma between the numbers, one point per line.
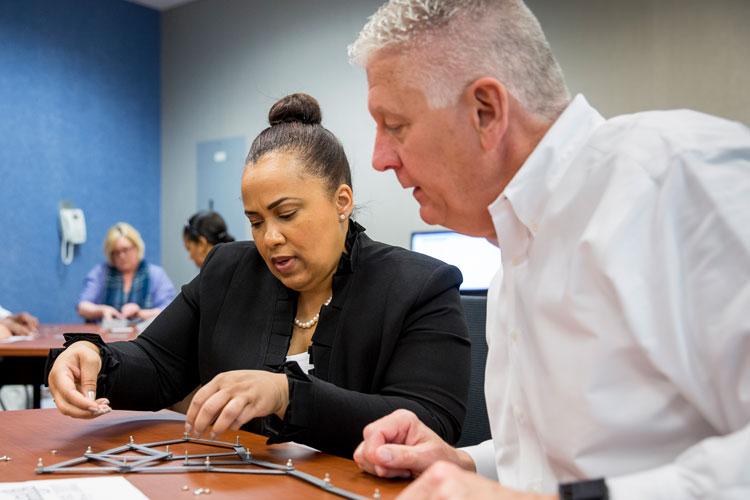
x=28, y=435
x=24, y=361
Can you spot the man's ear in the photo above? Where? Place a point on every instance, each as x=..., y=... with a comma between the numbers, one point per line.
x=344, y=199
x=488, y=101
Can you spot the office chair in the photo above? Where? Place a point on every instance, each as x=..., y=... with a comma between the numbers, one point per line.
x=476, y=426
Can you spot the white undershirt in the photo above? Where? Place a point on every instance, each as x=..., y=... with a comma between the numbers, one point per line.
x=303, y=360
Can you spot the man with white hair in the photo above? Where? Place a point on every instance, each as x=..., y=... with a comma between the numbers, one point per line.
x=618, y=330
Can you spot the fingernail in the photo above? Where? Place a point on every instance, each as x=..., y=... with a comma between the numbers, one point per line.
x=188, y=428
x=212, y=436
x=385, y=455
x=91, y=395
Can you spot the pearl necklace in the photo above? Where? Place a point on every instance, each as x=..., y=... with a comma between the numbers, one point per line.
x=311, y=322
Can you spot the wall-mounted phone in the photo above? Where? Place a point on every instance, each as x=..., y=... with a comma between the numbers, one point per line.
x=72, y=231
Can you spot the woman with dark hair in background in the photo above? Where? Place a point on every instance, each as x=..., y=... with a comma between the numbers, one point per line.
x=203, y=231
x=308, y=333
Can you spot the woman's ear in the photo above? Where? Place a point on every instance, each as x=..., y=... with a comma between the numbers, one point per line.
x=488, y=101
x=344, y=200
x=204, y=245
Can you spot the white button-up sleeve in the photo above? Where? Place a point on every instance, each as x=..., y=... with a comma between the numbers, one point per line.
x=697, y=312
x=4, y=313
x=717, y=467
x=483, y=455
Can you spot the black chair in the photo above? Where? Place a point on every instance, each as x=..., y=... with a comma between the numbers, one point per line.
x=476, y=424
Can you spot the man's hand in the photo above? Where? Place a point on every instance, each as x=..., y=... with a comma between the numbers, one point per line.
x=400, y=445
x=72, y=381
x=27, y=320
x=233, y=398
x=4, y=331
x=447, y=481
x=14, y=328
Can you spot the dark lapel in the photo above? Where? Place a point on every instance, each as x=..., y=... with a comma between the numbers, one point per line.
x=282, y=311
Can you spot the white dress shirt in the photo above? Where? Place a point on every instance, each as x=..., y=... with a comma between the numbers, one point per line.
x=619, y=332
x=4, y=313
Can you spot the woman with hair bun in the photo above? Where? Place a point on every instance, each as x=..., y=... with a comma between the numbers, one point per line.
x=203, y=231
x=307, y=333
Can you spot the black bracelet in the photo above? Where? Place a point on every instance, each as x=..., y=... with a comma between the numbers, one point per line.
x=595, y=489
x=109, y=362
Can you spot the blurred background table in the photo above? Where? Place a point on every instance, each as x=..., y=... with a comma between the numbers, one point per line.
x=32, y=434
x=23, y=362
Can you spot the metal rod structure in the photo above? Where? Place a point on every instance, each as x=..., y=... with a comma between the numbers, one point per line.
x=147, y=461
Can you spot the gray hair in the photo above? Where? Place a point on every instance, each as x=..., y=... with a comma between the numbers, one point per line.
x=459, y=41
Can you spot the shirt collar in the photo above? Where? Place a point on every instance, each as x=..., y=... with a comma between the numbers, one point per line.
x=354, y=237
x=527, y=193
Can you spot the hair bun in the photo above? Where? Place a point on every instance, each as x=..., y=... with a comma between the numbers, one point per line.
x=295, y=108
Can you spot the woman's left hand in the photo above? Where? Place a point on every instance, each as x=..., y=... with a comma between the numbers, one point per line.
x=130, y=310
x=234, y=398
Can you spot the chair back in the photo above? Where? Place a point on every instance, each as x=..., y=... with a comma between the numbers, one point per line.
x=476, y=426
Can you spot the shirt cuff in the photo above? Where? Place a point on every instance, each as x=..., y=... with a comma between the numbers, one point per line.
x=109, y=362
x=301, y=402
x=662, y=483
x=483, y=455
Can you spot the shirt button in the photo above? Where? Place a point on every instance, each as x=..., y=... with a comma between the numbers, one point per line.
x=514, y=335
x=534, y=227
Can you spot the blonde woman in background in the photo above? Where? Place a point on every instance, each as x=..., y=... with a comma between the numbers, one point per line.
x=126, y=286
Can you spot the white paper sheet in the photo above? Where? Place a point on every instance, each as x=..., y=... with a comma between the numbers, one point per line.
x=16, y=338
x=90, y=488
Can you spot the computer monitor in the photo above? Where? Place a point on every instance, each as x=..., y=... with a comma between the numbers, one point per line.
x=477, y=258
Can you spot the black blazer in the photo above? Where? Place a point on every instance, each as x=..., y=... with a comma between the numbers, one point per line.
x=393, y=337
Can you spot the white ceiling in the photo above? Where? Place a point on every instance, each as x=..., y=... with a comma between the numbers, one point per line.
x=161, y=4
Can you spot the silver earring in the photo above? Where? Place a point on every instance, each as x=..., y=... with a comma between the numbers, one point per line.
x=342, y=217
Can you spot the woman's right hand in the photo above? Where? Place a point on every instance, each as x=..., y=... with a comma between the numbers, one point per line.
x=72, y=381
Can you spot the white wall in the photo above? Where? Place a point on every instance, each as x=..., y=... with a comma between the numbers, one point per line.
x=224, y=62
x=634, y=55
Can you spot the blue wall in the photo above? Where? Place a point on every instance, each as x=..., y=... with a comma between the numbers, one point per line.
x=79, y=120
